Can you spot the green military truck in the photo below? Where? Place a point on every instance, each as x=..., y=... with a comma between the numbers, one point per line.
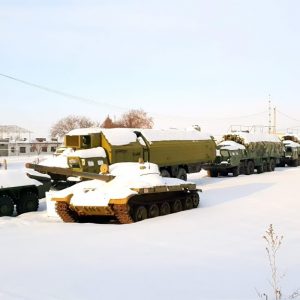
x=243, y=153
x=21, y=190
x=291, y=156
x=176, y=152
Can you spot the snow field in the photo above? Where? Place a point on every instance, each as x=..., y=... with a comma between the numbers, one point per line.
x=213, y=252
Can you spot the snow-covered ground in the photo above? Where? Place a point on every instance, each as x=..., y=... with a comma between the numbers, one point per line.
x=213, y=252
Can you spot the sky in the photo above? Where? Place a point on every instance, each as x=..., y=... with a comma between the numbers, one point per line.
x=212, y=63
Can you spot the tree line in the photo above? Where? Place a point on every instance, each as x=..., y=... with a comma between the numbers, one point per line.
x=134, y=118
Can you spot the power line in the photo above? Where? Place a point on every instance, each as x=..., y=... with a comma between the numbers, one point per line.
x=93, y=102
x=289, y=117
x=63, y=94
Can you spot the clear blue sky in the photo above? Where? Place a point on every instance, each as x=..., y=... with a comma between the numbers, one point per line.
x=213, y=63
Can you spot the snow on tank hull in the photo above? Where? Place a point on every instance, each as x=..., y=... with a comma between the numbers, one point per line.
x=128, y=199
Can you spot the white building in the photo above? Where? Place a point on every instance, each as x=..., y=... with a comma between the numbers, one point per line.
x=15, y=141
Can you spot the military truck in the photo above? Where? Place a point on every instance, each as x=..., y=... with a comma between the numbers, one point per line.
x=21, y=190
x=243, y=153
x=144, y=194
x=176, y=152
x=291, y=156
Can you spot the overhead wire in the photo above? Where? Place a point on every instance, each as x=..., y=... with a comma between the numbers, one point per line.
x=94, y=102
x=60, y=93
x=287, y=116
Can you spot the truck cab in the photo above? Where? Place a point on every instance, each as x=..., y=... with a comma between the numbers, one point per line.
x=88, y=160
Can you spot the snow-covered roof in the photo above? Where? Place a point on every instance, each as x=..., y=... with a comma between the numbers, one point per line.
x=120, y=136
x=155, y=135
x=14, y=178
x=60, y=161
x=252, y=138
x=87, y=153
x=85, y=131
x=231, y=145
x=291, y=144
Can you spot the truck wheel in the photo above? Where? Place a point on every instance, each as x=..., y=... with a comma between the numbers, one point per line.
x=259, y=169
x=272, y=165
x=213, y=173
x=182, y=174
x=269, y=166
x=251, y=167
x=265, y=166
x=248, y=168
x=6, y=206
x=236, y=172
x=29, y=202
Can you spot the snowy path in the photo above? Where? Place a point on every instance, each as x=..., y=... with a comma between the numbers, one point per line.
x=213, y=252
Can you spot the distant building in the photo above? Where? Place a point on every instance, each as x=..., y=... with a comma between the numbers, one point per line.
x=13, y=142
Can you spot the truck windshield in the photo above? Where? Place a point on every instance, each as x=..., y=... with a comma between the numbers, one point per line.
x=73, y=162
x=225, y=153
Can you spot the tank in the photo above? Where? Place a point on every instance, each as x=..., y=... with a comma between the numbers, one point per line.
x=129, y=192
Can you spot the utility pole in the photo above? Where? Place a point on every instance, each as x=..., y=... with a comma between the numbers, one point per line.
x=274, y=120
x=270, y=114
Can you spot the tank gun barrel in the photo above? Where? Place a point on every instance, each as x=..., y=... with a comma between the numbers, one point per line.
x=68, y=172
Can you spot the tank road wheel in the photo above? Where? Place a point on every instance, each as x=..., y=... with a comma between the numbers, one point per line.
x=195, y=198
x=6, y=206
x=165, y=209
x=187, y=203
x=165, y=173
x=182, y=174
x=236, y=172
x=140, y=213
x=29, y=202
x=153, y=211
x=176, y=206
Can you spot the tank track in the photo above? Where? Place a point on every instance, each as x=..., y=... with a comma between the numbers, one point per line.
x=122, y=213
x=65, y=213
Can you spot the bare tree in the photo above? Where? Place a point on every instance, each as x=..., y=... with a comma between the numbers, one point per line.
x=135, y=118
x=63, y=126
